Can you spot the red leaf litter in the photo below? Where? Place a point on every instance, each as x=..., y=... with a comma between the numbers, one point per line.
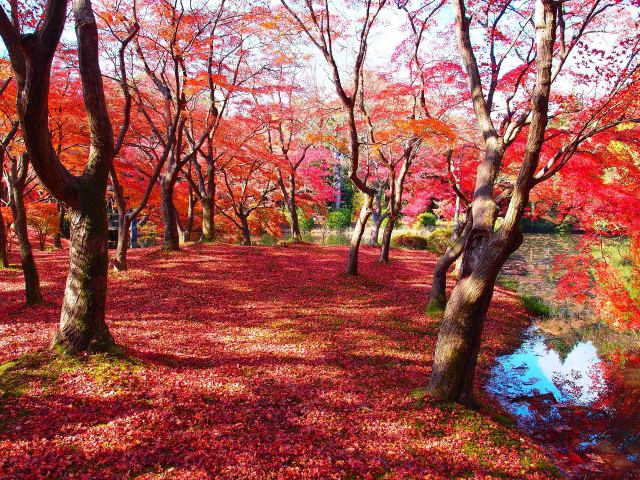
x=256, y=363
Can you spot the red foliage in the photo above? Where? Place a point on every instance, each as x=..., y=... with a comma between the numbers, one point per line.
x=260, y=363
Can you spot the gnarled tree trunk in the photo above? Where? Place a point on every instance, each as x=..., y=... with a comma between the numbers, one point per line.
x=459, y=336
x=485, y=251
x=82, y=323
x=246, y=231
x=82, y=326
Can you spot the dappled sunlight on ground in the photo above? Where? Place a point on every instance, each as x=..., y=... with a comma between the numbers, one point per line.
x=259, y=362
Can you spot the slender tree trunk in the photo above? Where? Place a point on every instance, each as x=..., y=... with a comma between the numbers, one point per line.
x=208, y=228
x=295, y=224
x=358, y=231
x=438, y=294
x=246, y=232
x=57, y=237
x=4, y=255
x=293, y=210
x=339, y=182
x=376, y=221
x=186, y=234
x=171, y=240
x=31, y=278
x=82, y=322
x=386, y=239
x=376, y=218
x=124, y=222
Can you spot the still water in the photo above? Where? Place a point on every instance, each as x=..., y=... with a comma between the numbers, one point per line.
x=572, y=383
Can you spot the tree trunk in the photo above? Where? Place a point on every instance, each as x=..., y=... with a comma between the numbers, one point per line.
x=459, y=338
x=376, y=221
x=461, y=330
x=4, y=255
x=82, y=322
x=56, y=241
x=295, y=224
x=57, y=237
x=171, y=241
x=186, y=234
x=485, y=251
x=208, y=227
x=339, y=182
x=386, y=240
x=31, y=279
x=246, y=232
x=377, y=218
x=358, y=231
x=438, y=294
x=124, y=222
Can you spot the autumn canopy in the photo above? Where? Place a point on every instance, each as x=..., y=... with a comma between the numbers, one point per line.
x=224, y=194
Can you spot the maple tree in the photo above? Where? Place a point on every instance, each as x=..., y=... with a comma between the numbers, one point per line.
x=17, y=176
x=237, y=119
x=82, y=324
x=286, y=124
x=43, y=218
x=249, y=182
x=485, y=247
x=319, y=25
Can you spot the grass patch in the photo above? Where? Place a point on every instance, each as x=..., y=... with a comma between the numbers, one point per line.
x=45, y=368
x=419, y=396
x=543, y=465
x=509, y=283
x=16, y=376
x=536, y=305
x=504, y=420
x=435, y=310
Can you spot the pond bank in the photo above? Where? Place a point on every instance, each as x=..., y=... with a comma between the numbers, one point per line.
x=571, y=382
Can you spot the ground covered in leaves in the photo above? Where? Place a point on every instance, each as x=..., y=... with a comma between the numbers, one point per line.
x=249, y=362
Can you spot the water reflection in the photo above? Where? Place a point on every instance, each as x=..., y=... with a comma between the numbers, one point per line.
x=535, y=373
x=575, y=401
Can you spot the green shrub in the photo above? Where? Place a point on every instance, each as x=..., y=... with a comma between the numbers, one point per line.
x=438, y=240
x=567, y=225
x=427, y=220
x=536, y=305
x=306, y=222
x=410, y=241
x=338, y=219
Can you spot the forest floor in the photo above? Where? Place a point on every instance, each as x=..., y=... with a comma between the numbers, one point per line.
x=250, y=362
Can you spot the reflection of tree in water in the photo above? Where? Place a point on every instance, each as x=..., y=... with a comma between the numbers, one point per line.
x=573, y=401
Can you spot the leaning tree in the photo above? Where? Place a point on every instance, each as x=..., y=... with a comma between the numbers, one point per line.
x=543, y=37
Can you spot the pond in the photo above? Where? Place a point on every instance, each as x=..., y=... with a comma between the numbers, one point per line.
x=572, y=383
